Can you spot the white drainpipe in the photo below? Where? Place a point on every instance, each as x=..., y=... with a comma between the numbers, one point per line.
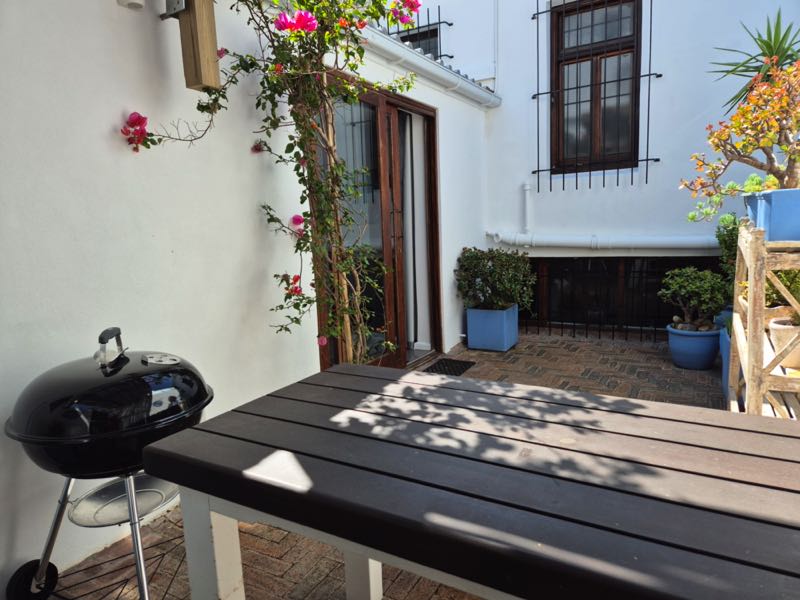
x=528, y=238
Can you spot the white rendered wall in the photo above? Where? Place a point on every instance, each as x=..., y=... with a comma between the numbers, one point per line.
x=168, y=244
x=683, y=102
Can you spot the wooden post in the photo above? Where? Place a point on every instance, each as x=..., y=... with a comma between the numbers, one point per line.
x=199, y=45
x=756, y=297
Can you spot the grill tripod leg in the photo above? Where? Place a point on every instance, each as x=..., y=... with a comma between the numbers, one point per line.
x=136, y=534
x=41, y=571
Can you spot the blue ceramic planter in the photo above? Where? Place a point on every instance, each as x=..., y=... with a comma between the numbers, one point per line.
x=695, y=350
x=777, y=212
x=725, y=355
x=492, y=329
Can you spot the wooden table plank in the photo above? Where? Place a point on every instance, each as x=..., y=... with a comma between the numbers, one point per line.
x=635, y=424
x=676, y=486
x=692, y=529
x=772, y=472
x=675, y=412
x=512, y=550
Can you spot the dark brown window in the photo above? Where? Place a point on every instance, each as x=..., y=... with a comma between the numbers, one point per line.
x=595, y=78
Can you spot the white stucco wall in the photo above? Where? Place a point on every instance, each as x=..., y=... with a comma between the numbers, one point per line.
x=168, y=244
x=683, y=101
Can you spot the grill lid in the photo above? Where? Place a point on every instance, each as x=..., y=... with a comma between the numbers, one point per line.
x=115, y=392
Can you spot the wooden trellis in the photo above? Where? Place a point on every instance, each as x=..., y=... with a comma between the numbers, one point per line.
x=755, y=369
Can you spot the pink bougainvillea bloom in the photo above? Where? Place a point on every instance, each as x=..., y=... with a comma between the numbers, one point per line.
x=322, y=341
x=404, y=19
x=412, y=5
x=136, y=119
x=305, y=21
x=296, y=279
x=222, y=53
x=284, y=22
x=298, y=220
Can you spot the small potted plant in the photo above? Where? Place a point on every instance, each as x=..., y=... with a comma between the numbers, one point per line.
x=693, y=337
x=494, y=284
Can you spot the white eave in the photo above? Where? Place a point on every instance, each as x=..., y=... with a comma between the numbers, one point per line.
x=403, y=55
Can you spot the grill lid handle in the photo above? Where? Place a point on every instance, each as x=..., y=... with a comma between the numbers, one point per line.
x=102, y=356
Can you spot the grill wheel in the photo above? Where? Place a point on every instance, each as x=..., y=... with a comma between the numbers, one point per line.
x=19, y=586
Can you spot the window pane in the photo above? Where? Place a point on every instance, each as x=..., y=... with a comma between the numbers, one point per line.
x=592, y=26
x=577, y=111
x=616, y=103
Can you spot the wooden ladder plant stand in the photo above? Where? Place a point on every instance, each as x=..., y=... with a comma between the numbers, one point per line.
x=755, y=368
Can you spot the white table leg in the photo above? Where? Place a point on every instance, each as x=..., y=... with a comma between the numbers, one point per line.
x=213, y=554
x=362, y=577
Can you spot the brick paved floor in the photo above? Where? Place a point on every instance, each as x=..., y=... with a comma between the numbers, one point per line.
x=277, y=565
x=281, y=565
x=631, y=369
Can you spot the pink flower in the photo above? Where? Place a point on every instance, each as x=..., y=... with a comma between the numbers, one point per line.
x=305, y=21
x=295, y=290
x=258, y=147
x=222, y=53
x=322, y=341
x=297, y=220
x=296, y=279
x=283, y=22
x=136, y=120
x=404, y=19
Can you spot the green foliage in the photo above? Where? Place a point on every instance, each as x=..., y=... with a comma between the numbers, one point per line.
x=755, y=183
x=303, y=73
x=778, y=41
x=727, y=237
x=699, y=294
x=494, y=279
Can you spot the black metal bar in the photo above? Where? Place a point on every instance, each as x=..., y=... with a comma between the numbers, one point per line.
x=569, y=89
x=649, y=82
x=641, y=160
x=538, y=107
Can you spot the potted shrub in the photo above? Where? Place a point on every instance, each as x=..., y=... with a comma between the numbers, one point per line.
x=494, y=284
x=727, y=234
x=693, y=337
x=763, y=133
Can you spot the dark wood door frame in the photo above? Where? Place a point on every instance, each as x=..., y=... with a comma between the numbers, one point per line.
x=387, y=105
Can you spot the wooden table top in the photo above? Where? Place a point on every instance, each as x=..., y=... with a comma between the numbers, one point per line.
x=531, y=491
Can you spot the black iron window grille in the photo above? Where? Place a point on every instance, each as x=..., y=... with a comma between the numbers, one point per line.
x=593, y=101
x=426, y=34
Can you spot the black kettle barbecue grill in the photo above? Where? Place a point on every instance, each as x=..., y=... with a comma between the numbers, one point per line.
x=91, y=418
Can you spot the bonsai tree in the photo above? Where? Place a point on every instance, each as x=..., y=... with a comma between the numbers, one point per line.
x=763, y=133
x=494, y=279
x=699, y=294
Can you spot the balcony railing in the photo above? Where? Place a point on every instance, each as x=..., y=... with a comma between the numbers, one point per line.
x=426, y=34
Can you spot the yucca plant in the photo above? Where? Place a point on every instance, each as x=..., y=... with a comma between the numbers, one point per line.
x=778, y=46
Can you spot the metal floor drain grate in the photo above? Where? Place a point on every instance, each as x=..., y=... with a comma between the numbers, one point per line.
x=449, y=366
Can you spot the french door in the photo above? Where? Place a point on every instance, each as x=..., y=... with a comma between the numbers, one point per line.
x=388, y=149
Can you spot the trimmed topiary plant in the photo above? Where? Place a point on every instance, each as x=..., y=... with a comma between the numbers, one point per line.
x=494, y=279
x=699, y=294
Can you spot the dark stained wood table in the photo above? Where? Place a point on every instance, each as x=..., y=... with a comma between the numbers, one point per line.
x=503, y=490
